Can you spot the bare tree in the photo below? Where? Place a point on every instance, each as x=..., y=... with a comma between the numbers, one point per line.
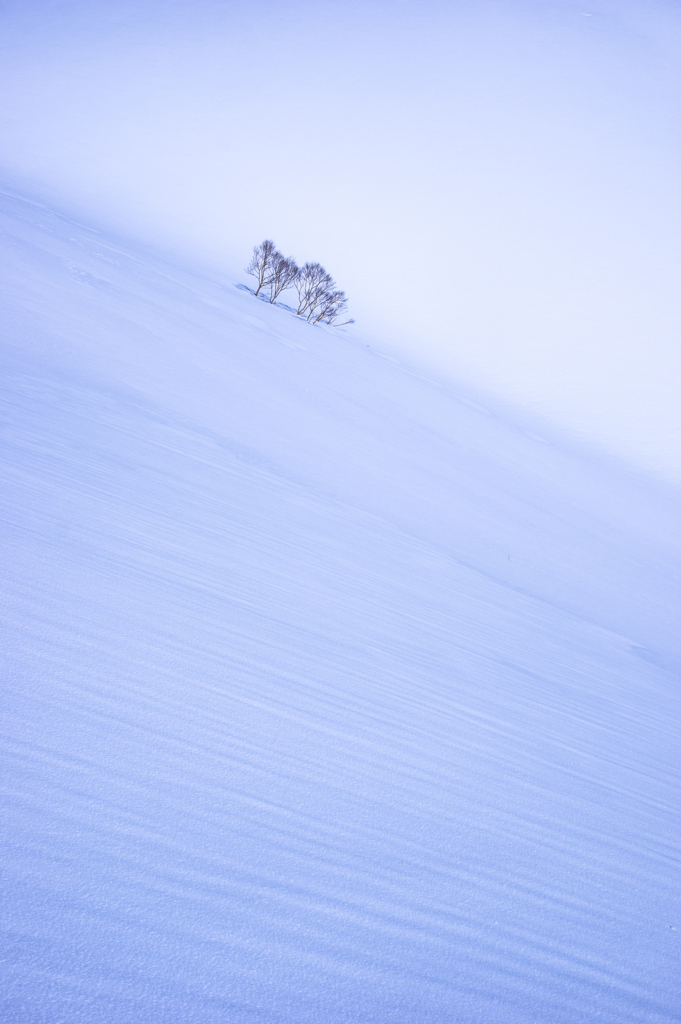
x=319, y=300
x=283, y=274
x=331, y=305
x=262, y=261
x=311, y=284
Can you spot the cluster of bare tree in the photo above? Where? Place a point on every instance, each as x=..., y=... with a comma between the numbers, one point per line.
x=319, y=300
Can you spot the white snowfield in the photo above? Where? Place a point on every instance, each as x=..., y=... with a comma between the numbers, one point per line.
x=329, y=695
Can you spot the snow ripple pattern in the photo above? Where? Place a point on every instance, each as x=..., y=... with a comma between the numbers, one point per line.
x=329, y=695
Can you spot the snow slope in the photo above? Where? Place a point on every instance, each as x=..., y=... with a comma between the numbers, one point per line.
x=330, y=695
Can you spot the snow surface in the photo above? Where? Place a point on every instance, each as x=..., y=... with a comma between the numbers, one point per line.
x=330, y=694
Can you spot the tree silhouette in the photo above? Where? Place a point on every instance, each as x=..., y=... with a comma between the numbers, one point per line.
x=320, y=301
x=283, y=274
x=261, y=262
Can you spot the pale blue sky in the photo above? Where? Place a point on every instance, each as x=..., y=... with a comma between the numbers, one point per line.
x=495, y=185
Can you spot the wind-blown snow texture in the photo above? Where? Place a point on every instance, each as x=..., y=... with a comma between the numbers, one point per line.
x=329, y=696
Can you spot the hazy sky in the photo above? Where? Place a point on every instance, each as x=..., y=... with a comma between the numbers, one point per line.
x=495, y=184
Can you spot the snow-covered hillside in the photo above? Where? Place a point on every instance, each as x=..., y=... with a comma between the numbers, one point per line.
x=329, y=694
